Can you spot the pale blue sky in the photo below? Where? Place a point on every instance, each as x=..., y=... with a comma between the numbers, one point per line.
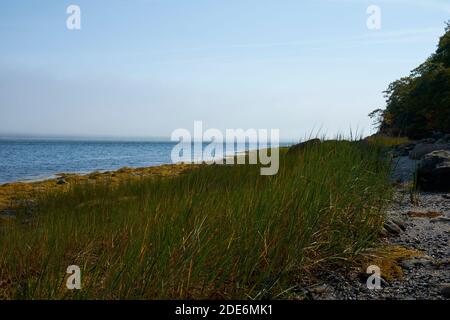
x=148, y=67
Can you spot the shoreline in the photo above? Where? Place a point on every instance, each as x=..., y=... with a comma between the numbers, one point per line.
x=40, y=177
x=15, y=194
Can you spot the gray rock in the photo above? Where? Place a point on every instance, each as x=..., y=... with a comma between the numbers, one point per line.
x=416, y=262
x=440, y=219
x=403, y=149
x=392, y=228
x=318, y=289
x=422, y=149
x=400, y=223
x=433, y=173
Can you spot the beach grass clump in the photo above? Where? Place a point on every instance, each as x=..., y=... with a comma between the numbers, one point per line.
x=387, y=141
x=216, y=231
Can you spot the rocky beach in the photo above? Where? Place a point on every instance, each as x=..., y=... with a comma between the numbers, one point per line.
x=417, y=221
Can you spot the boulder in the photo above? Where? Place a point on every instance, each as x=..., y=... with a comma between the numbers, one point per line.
x=433, y=173
x=422, y=149
x=392, y=228
x=402, y=150
x=303, y=145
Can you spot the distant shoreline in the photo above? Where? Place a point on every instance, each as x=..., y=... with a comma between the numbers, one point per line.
x=24, y=160
x=60, y=138
x=13, y=193
x=58, y=175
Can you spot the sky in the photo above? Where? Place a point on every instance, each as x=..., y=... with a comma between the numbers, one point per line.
x=143, y=68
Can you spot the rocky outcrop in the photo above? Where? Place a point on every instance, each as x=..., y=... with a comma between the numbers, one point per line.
x=433, y=173
x=422, y=149
x=432, y=158
x=404, y=149
x=416, y=150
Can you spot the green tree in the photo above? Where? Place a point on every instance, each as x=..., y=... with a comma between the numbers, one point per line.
x=419, y=104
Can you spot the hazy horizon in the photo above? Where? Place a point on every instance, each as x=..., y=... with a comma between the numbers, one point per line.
x=146, y=68
x=112, y=138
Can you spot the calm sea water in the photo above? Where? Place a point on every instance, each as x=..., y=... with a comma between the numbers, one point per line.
x=35, y=159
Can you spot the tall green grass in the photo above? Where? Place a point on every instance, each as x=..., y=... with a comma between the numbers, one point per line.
x=213, y=232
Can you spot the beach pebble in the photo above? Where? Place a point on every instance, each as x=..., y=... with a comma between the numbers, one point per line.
x=392, y=227
x=318, y=289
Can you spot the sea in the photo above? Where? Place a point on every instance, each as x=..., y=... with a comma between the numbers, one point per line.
x=34, y=159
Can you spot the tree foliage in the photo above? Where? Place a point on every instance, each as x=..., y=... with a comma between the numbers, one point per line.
x=419, y=104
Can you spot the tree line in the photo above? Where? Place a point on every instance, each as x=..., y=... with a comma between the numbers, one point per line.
x=419, y=105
